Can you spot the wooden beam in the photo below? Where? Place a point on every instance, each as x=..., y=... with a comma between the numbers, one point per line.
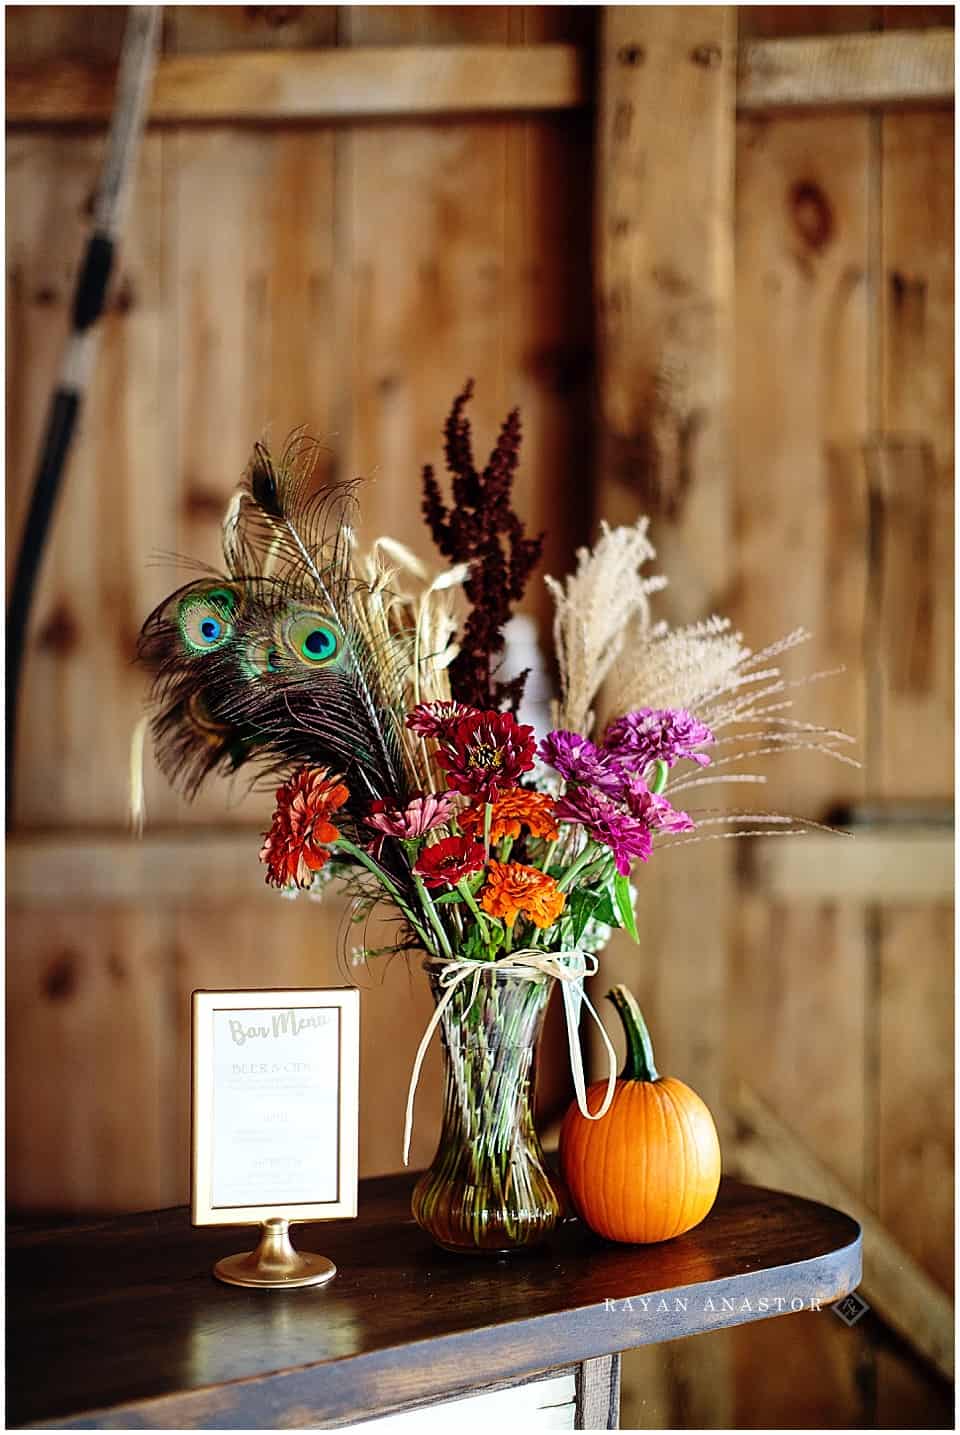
x=664, y=300
x=894, y=68
x=108, y=869
x=915, y=864
x=665, y=289
x=768, y=1153
x=314, y=84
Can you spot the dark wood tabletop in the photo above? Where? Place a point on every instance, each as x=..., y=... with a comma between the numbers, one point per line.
x=118, y=1322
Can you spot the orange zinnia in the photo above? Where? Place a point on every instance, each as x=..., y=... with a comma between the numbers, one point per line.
x=294, y=847
x=511, y=811
x=513, y=890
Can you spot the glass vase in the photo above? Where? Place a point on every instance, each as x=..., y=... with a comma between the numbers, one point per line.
x=487, y=1190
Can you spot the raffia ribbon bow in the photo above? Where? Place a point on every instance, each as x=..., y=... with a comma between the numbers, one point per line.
x=570, y=969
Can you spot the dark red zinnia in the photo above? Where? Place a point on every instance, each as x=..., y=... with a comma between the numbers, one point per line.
x=445, y=862
x=487, y=753
x=437, y=719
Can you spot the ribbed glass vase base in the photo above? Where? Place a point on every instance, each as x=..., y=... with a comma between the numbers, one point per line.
x=487, y=1191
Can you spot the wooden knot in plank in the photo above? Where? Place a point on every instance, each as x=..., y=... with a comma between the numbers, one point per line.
x=276, y=16
x=707, y=56
x=61, y=632
x=60, y=977
x=812, y=213
x=200, y=503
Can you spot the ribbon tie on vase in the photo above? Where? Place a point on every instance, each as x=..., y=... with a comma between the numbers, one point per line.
x=570, y=969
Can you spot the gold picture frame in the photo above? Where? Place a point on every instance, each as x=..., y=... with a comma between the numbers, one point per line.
x=274, y=1120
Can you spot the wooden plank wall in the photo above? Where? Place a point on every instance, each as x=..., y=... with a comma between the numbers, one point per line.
x=775, y=389
x=830, y=505
x=346, y=276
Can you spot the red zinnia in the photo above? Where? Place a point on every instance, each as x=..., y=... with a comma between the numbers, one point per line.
x=487, y=753
x=292, y=849
x=449, y=860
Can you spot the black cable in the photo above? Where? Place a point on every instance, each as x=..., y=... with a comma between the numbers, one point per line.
x=133, y=86
x=88, y=302
x=61, y=421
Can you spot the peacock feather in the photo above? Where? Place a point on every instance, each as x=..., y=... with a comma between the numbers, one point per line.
x=283, y=658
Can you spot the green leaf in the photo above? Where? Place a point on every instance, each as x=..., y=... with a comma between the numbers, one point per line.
x=495, y=926
x=605, y=911
x=581, y=908
x=474, y=946
x=621, y=892
x=447, y=899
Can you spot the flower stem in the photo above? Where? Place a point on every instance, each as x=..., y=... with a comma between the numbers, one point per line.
x=487, y=822
x=365, y=860
x=432, y=915
x=471, y=902
x=587, y=855
x=548, y=855
x=659, y=781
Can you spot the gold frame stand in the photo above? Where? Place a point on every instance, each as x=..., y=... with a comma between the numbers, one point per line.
x=275, y=1265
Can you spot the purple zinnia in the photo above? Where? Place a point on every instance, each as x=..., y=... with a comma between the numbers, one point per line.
x=579, y=760
x=657, y=735
x=625, y=835
x=653, y=809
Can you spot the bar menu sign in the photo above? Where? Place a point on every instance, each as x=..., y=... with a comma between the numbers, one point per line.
x=275, y=1105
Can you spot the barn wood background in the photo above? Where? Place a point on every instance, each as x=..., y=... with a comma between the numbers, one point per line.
x=767, y=370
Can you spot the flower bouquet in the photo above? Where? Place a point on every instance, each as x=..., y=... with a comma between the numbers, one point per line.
x=372, y=688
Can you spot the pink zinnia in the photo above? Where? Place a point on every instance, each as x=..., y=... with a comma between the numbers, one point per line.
x=415, y=820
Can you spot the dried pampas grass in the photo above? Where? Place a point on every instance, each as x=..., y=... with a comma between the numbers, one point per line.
x=742, y=696
x=613, y=657
x=672, y=667
x=593, y=609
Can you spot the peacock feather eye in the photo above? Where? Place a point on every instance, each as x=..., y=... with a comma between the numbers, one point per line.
x=314, y=640
x=209, y=728
x=206, y=620
x=260, y=659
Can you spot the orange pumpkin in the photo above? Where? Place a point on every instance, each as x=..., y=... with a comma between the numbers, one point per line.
x=650, y=1168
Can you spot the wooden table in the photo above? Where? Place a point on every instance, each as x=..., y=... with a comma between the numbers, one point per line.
x=118, y=1322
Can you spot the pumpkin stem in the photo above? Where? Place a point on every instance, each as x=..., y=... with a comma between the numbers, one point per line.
x=639, y=1065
